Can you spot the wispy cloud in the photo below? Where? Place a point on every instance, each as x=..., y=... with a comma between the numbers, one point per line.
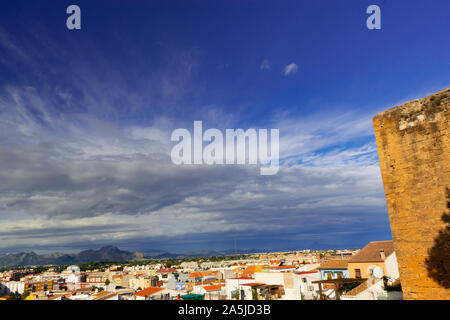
x=265, y=65
x=290, y=69
x=80, y=171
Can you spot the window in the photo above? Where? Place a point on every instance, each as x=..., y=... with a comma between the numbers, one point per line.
x=358, y=273
x=329, y=275
x=339, y=275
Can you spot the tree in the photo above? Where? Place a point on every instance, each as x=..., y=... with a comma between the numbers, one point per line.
x=15, y=296
x=107, y=282
x=25, y=294
x=254, y=294
x=40, y=269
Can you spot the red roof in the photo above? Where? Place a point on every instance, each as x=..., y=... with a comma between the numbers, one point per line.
x=305, y=272
x=166, y=270
x=148, y=291
x=243, y=278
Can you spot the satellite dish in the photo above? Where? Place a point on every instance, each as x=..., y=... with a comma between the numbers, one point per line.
x=377, y=273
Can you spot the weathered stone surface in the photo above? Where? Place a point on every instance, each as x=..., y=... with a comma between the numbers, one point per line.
x=413, y=142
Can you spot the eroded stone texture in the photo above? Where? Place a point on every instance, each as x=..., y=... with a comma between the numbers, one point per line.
x=413, y=142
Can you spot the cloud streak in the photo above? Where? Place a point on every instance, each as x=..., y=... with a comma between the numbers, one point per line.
x=290, y=69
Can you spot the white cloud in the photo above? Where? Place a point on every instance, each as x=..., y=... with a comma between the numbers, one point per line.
x=265, y=65
x=290, y=69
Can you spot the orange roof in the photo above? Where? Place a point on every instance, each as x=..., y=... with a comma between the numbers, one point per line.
x=214, y=287
x=282, y=267
x=200, y=274
x=148, y=291
x=250, y=270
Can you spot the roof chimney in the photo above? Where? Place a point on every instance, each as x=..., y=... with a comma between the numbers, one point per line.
x=382, y=255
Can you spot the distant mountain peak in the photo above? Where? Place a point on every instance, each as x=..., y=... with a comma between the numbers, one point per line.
x=106, y=253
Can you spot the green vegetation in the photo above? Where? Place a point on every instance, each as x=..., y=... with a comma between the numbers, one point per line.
x=436, y=101
x=254, y=294
x=40, y=269
x=18, y=296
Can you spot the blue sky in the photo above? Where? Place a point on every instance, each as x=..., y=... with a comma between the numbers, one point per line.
x=86, y=117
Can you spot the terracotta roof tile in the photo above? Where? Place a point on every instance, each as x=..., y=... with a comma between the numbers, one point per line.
x=213, y=287
x=201, y=274
x=371, y=252
x=281, y=267
x=334, y=264
x=357, y=290
x=148, y=291
x=306, y=272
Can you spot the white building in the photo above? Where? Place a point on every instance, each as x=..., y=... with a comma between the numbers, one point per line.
x=233, y=284
x=8, y=287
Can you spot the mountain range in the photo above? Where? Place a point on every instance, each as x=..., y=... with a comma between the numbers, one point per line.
x=107, y=253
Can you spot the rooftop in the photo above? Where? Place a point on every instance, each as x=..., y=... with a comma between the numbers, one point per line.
x=334, y=264
x=371, y=252
x=214, y=287
x=148, y=291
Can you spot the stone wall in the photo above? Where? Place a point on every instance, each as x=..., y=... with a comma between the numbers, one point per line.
x=413, y=142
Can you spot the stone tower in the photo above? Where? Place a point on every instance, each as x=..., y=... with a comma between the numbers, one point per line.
x=413, y=142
